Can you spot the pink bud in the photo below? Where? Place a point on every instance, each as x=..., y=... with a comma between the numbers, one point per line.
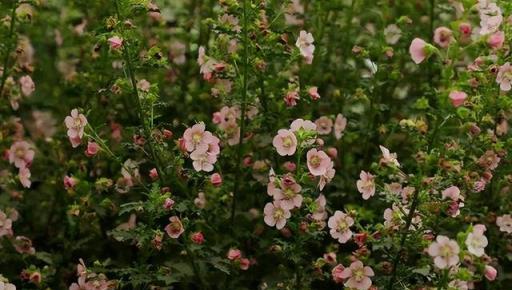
x=168, y=203
x=465, y=29
x=216, y=179
x=289, y=166
x=247, y=161
x=167, y=134
x=234, y=254
x=92, y=149
x=244, y=263
x=418, y=51
x=313, y=93
x=490, y=273
x=69, y=182
x=115, y=42
x=197, y=238
x=153, y=174
x=217, y=118
x=332, y=152
x=496, y=40
x=457, y=98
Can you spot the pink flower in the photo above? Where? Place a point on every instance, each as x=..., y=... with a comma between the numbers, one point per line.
x=168, y=203
x=465, y=29
x=276, y=215
x=418, y=50
x=291, y=98
x=143, y=85
x=445, y=252
x=366, y=184
x=339, y=225
x=443, y=36
x=490, y=17
x=504, y=222
x=318, y=162
x=216, y=179
x=69, y=182
x=323, y=125
x=496, y=40
x=203, y=161
x=27, y=85
x=285, y=142
x=313, y=93
x=197, y=238
x=339, y=126
x=200, y=200
x=5, y=225
x=75, y=123
x=115, y=42
x=4, y=285
x=457, y=98
x=330, y=258
x=490, y=273
x=234, y=254
x=336, y=273
x=153, y=174
x=196, y=138
x=490, y=160
x=92, y=149
x=300, y=124
x=504, y=77
x=288, y=194
x=21, y=154
x=24, y=176
x=476, y=241
x=244, y=264
x=358, y=276
x=175, y=228
x=306, y=46
x=320, y=214
x=452, y=192
x=388, y=158
x=327, y=176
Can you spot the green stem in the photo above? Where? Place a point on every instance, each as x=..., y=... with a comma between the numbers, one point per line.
x=9, y=49
x=193, y=263
x=243, y=109
x=147, y=130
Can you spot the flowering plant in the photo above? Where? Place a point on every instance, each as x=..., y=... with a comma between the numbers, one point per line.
x=255, y=144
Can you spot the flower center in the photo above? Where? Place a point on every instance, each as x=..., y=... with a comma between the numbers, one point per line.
x=287, y=142
x=278, y=213
x=197, y=137
x=289, y=193
x=342, y=225
x=20, y=153
x=446, y=251
x=358, y=274
x=315, y=161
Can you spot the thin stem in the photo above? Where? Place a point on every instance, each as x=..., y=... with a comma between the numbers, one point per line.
x=9, y=49
x=147, y=131
x=194, y=265
x=243, y=109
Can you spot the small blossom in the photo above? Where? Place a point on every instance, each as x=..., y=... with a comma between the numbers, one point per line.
x=153, y=174
x=476, y=241
x=445, y=252
x=5, y=225
x=490, y=273
x=216, y=179
x=300, y=124
x=291, y=98
x=327, y=176
x=392, y=34
x=168, y=203
x=318, y=162
x=504, y=222
x=504, y=77
x=285, y=142
x=200, y=200
x=75, y=123
x=24, y=176
x=457, y=98
x=244, y=264
x=496, y=40
x=27, y=85
x=358, y=276
x=92, y=149
x=443, y=36
x=306, y=46
x=197, y=139
x=339, y=225
x=388, y=158
x=336, y=274
x=313, y=93
x=323, y=125
x=234, y=254
x=175, y=228
x=197, y=238
x=21, y=154
x=366, y=184
x=276, y=215
x=115, y=42
x=339, y=126
x=418, y=50
x=203, y=161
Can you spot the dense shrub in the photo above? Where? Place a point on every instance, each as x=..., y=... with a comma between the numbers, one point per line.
x=255, y=144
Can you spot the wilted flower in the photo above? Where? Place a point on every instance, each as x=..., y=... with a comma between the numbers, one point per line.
x=175, y=228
